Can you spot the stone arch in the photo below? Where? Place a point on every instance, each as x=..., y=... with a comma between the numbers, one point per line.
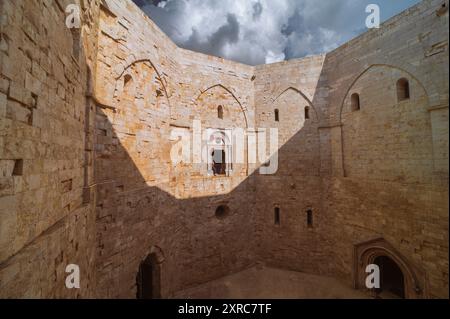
x=158, y=252
x=352, y=89
x=298, y=137
x=121, y=70
x=363, y=82
x=149, y=275
x=341, y=107
x=316, y=118
x=366, y=252
x=208, y=88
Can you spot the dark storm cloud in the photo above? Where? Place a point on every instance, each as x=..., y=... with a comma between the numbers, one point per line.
x=294, y=22
x=257, y=10
x=142, y=3
x=263, y=31
x=215, y=43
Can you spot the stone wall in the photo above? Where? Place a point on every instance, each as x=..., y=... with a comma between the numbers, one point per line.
x=47, y=216
x=149, y=92
x=88, y=134
x=290, y=87
x=377, y=172
x=387, y=178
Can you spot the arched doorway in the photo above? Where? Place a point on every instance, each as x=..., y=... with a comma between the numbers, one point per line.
x=148, y=279
x=219, y=149
x=219, y=162
x=399, y=277
x=392, y=281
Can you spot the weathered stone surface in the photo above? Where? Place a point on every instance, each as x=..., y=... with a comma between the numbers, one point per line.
x=91, y=127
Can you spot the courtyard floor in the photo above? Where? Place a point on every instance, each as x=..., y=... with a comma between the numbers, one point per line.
x=269, y=283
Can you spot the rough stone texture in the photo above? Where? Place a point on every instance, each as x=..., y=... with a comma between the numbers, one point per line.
x=86, y=136
x=44, y=223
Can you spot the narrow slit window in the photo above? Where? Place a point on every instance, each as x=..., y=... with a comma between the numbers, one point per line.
x=220, y=112
x=76, y=44
x=355, y=102
x=402, y=89
x=127, y=80
x=277, y=115
x=306, y=112
x=277, y=215
x=128, y=88
x=309, y=218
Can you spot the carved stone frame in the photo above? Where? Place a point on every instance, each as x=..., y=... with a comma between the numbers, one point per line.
x=365, y=254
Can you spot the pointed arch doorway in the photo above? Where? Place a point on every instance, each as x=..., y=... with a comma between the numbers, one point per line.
x=392, y=281
x=148, y=279
x=399, y=278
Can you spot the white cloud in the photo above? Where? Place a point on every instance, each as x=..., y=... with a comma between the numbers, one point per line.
x=273, y=57
x=261, y=31
x=162, y=4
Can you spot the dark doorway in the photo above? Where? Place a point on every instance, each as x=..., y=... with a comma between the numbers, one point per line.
x=219, y=162
x=391, y=279
x=148, y=279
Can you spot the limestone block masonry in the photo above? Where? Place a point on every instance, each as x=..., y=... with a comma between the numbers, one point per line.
x=86, y=133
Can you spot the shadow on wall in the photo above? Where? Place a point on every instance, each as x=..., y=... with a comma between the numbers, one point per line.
x=201, y=238
x=307, y=217
x=385, y=168
x=282, y=220
x=331, y=192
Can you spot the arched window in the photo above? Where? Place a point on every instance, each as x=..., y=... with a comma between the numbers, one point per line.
x=220, y=153
x=402, y=89
x=219, y=162
x=128, y=86
x=277, y=115
x=306, y=112
x=220, y=112
x=127, y=79
x=309, y=218
x=127, y=82
x=355, y=102
x=277, y=215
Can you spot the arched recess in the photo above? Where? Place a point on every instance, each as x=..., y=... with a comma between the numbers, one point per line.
x=365, y=254
x=367, y=70
x=377, y=122
x=121, y=72
x=208, y=88
x=298, y=136
x=316, y=116
x=158, y=253
x=149, y=275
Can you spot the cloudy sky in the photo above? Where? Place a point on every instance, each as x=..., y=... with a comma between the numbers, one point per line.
x=264, y=31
